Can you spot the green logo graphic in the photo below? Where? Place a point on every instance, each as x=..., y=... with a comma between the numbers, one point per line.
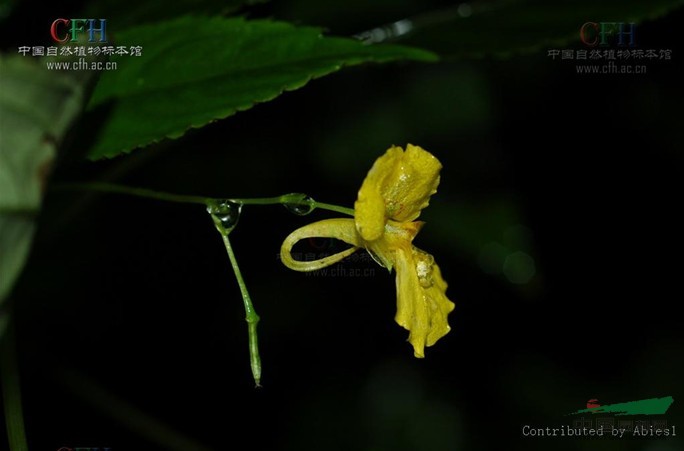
x=652, y=406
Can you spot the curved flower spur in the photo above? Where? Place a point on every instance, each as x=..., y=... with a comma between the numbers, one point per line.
x=396, y=189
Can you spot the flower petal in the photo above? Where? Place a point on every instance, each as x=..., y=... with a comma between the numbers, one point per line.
x=369, y=208
x=408, y=190
x=440, y=307
x=422, y=305
x=342, y=229
x=398, y=187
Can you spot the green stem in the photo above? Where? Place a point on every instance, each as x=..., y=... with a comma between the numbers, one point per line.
x=131, y=191
x=250, y=314
x=221, y=210
x=336, y=208
x=11, y=393
x=262, y=200
x=294, y=199
x=286, y=199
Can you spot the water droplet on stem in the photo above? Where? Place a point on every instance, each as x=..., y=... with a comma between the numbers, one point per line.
x=300, y=204
x=225, y=214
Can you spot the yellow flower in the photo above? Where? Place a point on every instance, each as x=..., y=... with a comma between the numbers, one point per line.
x=396, y=189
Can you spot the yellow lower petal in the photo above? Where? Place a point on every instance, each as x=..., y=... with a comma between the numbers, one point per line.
x=422, y=305
x=412, y=312
x=440, y=307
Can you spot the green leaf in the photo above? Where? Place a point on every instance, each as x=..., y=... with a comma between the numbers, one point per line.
x=196, y=70
x=502, y=28
x=37, y=106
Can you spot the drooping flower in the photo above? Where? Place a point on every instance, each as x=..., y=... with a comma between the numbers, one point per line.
x=394, y=192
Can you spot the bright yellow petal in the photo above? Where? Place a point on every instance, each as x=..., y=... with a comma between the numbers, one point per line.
x=408, y=190
x=341, y=229
x=398, y=187
x=440, y=307
x=370, y=209
x=422, y=305
x=412, y=313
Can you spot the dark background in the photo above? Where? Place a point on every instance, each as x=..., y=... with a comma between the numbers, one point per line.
x=130, y=304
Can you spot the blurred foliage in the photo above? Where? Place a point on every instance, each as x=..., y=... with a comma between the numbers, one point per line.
x=37, y=108
x=503, y=27
x=472, y=29
x=5, y=8
x=126, y=13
